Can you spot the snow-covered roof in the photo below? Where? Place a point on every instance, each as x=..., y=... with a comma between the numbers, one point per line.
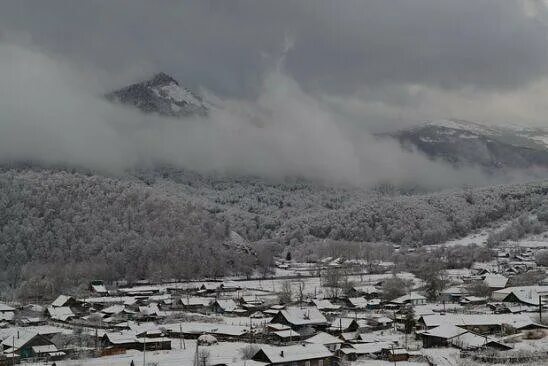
x=342, y=323
x=366, y=289
x=295, y=353
x=62, y=313
x=413, y=296
x=376, y=338
x=286, y=333
x=44, y=349
x=469, y=340
x=195, y=301
x=150, y=309
x=515, y=320
x=277, y=326
x=325, y=305
x=358, y=302
x=19, y=339
x=305, y=316
x=495, y=280
x=121, y=337
x=324, y=338
x=527, y=294
x=7, y=316
x=369, y=348
x=61, y=300
x=99, y=288
x=445, y=331
x=4, y=307
x=227, y=305
x=114, y=309
x=211, y=328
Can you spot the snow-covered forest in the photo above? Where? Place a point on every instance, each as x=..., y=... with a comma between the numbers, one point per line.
x=61, y=229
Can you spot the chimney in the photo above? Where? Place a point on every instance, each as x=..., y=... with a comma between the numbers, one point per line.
x=281, y=353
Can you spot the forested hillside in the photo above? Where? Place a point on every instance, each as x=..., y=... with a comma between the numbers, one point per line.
x=60, y=229
x=297, y=211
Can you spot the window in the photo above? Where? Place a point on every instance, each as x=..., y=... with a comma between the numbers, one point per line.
x=320, y=362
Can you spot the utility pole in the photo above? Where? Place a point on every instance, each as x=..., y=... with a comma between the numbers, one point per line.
x=144, y=350
x=540, y=309
x=196, y=359
x=182, y=336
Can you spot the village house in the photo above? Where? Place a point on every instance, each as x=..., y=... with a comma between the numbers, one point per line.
x=356, y=302
x=296, y=355
x=343, y=325
x=354, y=351
x=192, y=303
x=412, y=298
x=299, y=319
x=330, y=342
x=526, y=295
x=366, y=291
x=481, y=323
x=495, y=281
x=446, y=335
x=228, y=306
x=98, y=287
x=325, y=305
x=24, y=343
x=62, y=314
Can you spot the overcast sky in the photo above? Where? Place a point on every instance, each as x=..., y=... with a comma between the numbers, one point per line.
x=394, y=55
x=301, y=84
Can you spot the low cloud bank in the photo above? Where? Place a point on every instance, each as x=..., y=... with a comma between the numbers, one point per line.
x=49, y=113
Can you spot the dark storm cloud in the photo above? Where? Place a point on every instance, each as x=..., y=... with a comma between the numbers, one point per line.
x=339, y=46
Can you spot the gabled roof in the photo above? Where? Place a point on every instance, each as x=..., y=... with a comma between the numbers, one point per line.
x=227, y=305
x=358, y=302
x=445, y=331
x=61, y=300
x=517, y=321
x=19, y=339
x=495, y=281
x=299, y=352
x=44, y=349
x=324, y=338
x=305, y=316
x=121, y=337
x=325, y=305
x=526, y=294
x=342, y=323
x=366, y=348
x=409, y=297
x=62, y=313
x=470, y=341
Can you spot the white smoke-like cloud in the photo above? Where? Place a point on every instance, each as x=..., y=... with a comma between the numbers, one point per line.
x=50, y=114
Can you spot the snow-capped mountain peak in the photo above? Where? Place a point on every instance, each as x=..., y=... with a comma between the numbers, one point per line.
x=161, y=94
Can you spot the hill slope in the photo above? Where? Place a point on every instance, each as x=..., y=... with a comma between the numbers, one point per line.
x=62, y=229
x=464, y=143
